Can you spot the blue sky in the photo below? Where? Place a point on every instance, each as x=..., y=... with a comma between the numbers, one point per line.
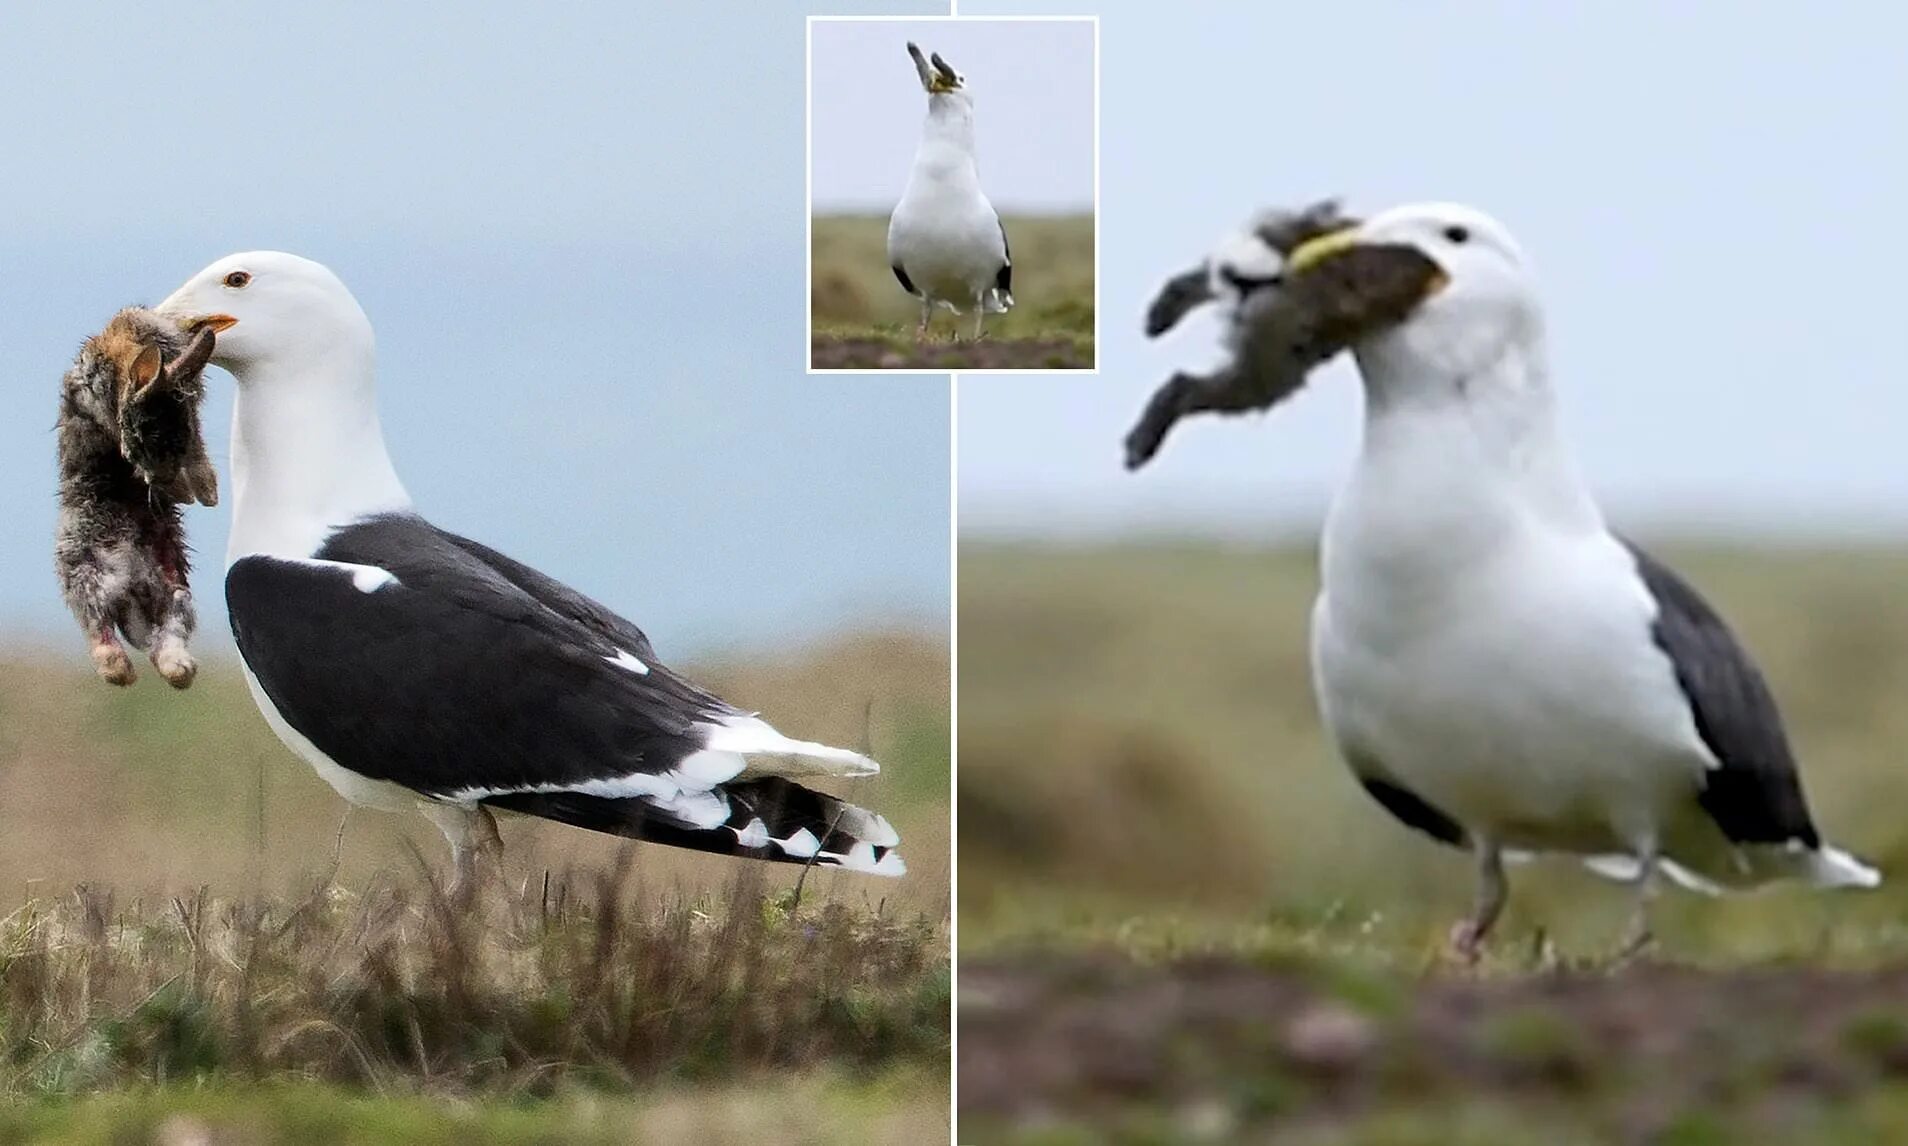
x=1712, y=194
x=1032, y=83
x=578, y=231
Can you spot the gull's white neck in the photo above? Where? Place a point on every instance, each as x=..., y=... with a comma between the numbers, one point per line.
x=946, y=153
x=1466, y=437
x=307, y=451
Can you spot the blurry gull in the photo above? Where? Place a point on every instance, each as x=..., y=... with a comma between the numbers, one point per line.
x=1499, y=670
x=415, y=668
x=945, y=242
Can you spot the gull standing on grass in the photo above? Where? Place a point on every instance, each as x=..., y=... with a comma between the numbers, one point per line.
x=946, y=244
x=1499, y=670
x=413, y=668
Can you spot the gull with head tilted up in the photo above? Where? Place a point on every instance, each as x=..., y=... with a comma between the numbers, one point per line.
x=1499, y=670
x=413, y=667
x=946, y=244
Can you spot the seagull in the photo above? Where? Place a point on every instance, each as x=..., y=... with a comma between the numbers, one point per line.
x=1499, y=670
x=415, y=668
x=946, y=244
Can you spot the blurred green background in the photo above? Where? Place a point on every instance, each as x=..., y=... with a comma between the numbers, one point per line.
x=1139, y=739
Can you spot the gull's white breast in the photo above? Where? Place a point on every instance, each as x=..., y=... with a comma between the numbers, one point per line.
x=944, y=232
x=1493, y=657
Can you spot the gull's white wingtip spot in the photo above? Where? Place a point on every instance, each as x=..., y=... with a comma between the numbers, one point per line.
x=870, y=826
x=861, y=858
x=802, y=844
x=753, y=835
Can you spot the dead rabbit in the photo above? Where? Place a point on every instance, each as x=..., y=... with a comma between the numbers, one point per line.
x=131, y=453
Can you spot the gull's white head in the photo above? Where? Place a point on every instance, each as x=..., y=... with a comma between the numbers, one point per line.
x=271, y=307
x=307, y=450
x=1483, y=304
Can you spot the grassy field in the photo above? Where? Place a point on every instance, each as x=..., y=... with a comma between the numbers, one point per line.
x=862, y=319
x=814, y=1110
x=1171, y=887
x=180, y=964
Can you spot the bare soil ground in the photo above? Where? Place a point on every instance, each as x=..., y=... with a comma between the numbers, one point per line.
x=847, y=352
x=1224, y=1049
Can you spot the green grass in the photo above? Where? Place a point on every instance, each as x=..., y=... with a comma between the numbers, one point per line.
x=1880, y=1116
x=858, y=310
x=900, y=1106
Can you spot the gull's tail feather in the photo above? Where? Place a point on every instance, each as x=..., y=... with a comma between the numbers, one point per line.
x=1833, y=867
x=765, y=752
x=1824, y=867
x=766, y=819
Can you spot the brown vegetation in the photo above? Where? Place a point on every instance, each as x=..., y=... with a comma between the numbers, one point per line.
x=220, y=944
x=573, y=980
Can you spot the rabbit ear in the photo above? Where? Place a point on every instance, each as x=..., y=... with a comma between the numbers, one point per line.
x=145, y=368
x=1286, y=230
x=921, y=66
x=192, y=360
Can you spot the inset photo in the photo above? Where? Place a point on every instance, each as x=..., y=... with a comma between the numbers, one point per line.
x=953, y=180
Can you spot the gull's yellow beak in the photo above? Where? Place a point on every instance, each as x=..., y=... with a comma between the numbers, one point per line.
x=1313, y=251
x=945, y=78
x=218, y=323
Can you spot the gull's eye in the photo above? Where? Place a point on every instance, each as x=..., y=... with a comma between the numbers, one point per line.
x=237, y=279
x=1457, y=234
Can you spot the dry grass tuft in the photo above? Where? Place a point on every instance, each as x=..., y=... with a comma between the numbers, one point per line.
x=566, y=982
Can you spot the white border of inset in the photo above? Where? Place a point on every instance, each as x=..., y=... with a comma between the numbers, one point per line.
x=808, y=185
